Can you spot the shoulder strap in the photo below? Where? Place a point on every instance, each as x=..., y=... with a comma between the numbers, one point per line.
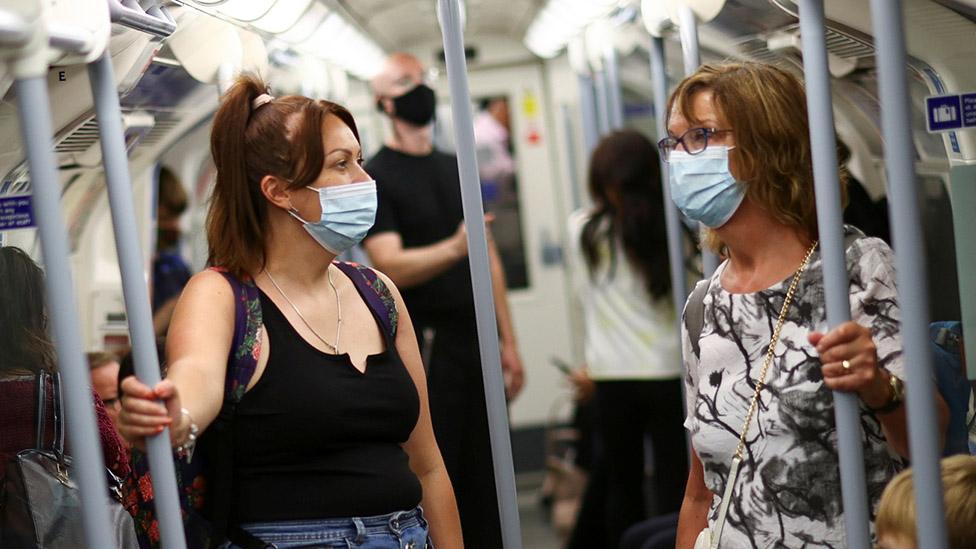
x=59, y=426
x=376, y=294
x=40, y=417
x=246, y=345
x=695, y=315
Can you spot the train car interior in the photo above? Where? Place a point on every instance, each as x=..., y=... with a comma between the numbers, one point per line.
x=567, y=72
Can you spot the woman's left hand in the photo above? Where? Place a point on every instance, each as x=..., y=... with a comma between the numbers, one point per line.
x=512, y=371
x=849, y=362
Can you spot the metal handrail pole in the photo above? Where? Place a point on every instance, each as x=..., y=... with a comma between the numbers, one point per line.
x=138, y=313
x=571, y=169
x=602, y=102
x=129, y=14
x=823, y=143
x=910, y=263
x=659, y=81
x=86, y=452
x=615, y=99
x=688, y=34
x=587, y=99
x=691, y=55
x=498, y=426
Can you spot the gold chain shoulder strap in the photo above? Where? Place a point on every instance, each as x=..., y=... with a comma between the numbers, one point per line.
x=710, y=536
x=760, y=383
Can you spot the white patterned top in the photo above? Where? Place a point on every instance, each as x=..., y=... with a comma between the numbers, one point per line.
x=788, y=491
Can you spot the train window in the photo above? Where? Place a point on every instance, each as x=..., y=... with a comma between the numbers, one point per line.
x=497, y=168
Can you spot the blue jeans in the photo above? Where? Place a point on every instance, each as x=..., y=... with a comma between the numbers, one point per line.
x=400, y=530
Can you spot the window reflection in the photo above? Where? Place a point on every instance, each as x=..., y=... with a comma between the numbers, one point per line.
x=499, y=185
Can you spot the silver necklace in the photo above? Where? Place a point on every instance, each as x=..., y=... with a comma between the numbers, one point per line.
x=335, y=348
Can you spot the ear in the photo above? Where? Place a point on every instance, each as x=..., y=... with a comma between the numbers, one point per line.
x=276, y=191
x=385, y=105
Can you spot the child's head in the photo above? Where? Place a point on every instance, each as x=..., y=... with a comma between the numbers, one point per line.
x=896, y=513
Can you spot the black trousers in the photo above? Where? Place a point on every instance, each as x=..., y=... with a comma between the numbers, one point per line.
x=457, y=410
x=627, y=411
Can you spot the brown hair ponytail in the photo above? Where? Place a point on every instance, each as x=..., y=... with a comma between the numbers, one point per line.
x=282, y=138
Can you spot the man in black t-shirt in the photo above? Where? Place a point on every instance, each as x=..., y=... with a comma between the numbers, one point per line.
x=419, y=241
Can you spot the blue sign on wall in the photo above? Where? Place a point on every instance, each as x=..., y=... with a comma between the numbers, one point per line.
x=16, y=212
x=946, y=113
x=968, y=101
x=943, y=113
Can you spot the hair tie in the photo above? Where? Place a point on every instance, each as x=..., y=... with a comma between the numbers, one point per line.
x=261, y=100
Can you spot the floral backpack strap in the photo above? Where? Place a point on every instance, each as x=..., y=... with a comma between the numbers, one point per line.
x=376, y=294
x=246, y=345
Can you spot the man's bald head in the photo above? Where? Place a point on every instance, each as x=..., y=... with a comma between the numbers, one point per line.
x=401, y=73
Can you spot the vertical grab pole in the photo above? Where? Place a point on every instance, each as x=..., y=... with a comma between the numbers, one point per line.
x=501, y=445
x=615, y=100
x=659, y=80
x=35, y=126
x=602, y=101
x=136, y=294
x=910, y=261
x=672, y=221
x=587, y=99
x=688, y=32
x=571, y=169
x=836, y=285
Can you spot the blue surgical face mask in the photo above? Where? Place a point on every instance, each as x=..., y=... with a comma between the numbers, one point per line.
x=348, y=212
x=703, y=187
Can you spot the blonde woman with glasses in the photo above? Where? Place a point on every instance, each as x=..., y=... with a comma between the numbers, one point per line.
x=758, y=374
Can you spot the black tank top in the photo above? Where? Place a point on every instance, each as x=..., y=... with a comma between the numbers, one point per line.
x=315, y=438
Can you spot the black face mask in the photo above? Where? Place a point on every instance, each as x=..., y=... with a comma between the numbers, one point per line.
x=416, y=106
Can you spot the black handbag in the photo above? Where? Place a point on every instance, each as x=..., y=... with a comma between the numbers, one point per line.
x=40, y=504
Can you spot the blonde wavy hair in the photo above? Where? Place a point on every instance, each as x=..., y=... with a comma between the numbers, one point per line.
x=896, y=511
x=766, y=109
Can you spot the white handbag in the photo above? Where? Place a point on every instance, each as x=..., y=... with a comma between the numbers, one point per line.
x=704, y=539
x=709, y=537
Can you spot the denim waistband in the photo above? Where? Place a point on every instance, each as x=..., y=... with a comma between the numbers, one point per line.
x=338, y=528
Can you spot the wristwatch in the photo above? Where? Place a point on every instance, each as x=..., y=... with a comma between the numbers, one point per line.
x=896, y=398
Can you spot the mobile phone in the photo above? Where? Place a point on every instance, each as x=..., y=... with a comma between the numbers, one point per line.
x=561, y=365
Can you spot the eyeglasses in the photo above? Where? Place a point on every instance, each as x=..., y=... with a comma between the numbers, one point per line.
x=694, y=141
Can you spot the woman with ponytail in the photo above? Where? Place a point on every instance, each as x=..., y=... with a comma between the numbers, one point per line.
x=328, y=431
x=623, y=284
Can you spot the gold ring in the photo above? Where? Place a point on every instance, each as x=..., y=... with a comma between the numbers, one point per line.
x=846, y=364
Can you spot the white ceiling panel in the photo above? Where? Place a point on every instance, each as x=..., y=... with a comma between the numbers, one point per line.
x=402, y=24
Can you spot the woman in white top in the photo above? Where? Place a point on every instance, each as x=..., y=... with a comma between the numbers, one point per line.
x=631, y=343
